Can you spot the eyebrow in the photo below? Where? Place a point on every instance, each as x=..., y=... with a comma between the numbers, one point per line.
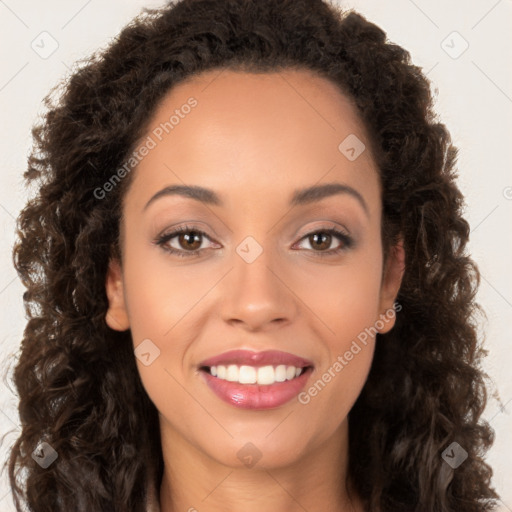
x=299, y=197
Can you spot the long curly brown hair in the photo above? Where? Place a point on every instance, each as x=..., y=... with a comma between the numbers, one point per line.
x=77, y=380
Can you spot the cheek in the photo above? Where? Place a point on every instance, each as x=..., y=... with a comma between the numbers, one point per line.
x=159, y=292
x=163, y=301
x=330, y=395
x=348, y=307
x=346, y=301
x=344, y=297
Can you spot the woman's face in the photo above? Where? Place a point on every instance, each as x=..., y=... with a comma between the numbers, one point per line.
x=269, y=276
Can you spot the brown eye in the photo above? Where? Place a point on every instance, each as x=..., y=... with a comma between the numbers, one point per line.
x=320, y=240
x=190, y=240
x=184, y=241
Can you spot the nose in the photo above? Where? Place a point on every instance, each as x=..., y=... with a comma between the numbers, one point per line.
x=257, y=295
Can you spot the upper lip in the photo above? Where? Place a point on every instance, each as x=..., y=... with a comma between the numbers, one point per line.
x=252, y=358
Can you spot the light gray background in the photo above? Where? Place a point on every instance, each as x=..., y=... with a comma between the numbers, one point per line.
x=474, y=100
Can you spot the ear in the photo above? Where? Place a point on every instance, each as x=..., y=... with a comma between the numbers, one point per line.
x=390, y=286
x=117, y=315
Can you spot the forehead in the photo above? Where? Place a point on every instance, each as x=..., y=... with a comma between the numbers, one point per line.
x=276, y=131
x=299, y=101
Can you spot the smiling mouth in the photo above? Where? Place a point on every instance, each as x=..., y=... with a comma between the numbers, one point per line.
x=258, y=375
x=256, y=388
x=254, y=380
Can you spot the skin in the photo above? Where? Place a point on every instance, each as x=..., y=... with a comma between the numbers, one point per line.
x=254, y=139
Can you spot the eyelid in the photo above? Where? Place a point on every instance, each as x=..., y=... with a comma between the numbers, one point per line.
x=325, y=225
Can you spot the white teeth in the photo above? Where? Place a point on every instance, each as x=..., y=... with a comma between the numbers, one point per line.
x=247, y=375
x=220, y=370
x=290, y=372
x=281, y=373
x=266, y=375
x=263, y=375
x=232, y=373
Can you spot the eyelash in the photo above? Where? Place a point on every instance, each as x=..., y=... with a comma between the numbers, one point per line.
x=161, y=240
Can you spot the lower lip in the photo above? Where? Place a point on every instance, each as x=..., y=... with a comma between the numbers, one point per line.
x=255, y=396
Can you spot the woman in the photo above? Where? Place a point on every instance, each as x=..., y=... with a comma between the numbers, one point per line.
x=247, y=282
